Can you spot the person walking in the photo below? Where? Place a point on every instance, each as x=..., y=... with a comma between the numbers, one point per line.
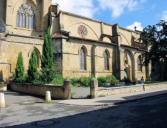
x=142, y=80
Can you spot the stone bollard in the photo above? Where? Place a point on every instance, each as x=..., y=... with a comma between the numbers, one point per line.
x=67, y=89
x=93, y=88
x=48, y=96
x=2, y=100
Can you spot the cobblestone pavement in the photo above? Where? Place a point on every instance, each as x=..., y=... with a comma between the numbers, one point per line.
x=146, y=113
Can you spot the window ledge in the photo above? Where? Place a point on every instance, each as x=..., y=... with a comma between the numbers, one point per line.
x=20, y=28
x=83, y=70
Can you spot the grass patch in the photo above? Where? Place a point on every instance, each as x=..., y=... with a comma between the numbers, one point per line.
x=101, y=95
x=48, y=102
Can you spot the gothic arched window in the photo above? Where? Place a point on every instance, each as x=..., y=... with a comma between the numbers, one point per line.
x=25, y=17
x=106, y=60
x=139, y=64
x=83, y=58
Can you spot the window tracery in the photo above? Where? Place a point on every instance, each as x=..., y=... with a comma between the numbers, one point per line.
x=25, y=17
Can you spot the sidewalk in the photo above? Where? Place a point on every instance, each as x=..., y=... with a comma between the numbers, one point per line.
x=114, y=99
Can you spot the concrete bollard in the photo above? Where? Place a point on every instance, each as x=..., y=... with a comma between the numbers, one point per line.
x=2, y=100
x=93, y=88
x=48, y=96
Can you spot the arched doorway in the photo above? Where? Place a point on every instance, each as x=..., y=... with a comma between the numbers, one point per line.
x=38, y=56
x=129, y=66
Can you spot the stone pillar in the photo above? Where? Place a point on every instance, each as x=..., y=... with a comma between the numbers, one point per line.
x=2, y=100
x=93, y=88
x=122, y=66
x=67, y=89
x=45, y=10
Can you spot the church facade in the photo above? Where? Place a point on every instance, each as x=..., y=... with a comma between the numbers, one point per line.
x=82, y=46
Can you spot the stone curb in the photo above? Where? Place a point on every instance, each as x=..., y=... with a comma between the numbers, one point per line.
x=120, y=102
x=142, y=98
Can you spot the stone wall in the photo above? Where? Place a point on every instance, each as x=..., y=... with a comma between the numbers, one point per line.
x=95, y=29
x=71, y=58
x=57, y=92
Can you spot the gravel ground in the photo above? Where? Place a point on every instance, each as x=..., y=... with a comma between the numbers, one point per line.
x=80, y=92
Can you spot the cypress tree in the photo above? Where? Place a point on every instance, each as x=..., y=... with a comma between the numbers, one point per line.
x=19, y=71
x=47, y=59
x=33, y=68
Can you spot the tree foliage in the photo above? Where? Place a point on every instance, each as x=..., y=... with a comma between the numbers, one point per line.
x=33, y=68
x=19, y=70
x=47, y=59
x=155, y=38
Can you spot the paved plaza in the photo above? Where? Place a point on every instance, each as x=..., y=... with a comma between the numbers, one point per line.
x=116, y=111
x=33, y=113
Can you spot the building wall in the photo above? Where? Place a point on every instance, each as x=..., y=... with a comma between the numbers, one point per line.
x=21, y=39
x=66, y=48
x=11, y=46
x=95, y=28
x=127, y=36
x=40, y=9
x=70, y=48
x=133, y=55
x=71, y=58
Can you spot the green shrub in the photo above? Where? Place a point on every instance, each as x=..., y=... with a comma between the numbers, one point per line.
x=112, y=79
x=32, y=68
x=19, y=71
x=3, y=84
x=48, y=75
x=92, y=76
x=127, y=80
x=47, y=59
x=75, y=81
x=108, y=79
x=21, y=79
x=85, y=81
x=101, y=80
x=58, y=80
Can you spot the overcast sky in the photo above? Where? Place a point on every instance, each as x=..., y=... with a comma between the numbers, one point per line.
x=127, y=13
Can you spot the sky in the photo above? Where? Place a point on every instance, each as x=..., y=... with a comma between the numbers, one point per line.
x=126, y=13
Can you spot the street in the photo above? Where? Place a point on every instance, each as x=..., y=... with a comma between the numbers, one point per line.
x=146, y=113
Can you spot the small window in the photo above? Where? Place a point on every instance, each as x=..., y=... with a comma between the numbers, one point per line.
x=25, y=17
x=139, y=63
x=106, y=60
x=83, y=59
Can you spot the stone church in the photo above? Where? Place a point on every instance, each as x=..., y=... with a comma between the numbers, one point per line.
x=82, y=46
